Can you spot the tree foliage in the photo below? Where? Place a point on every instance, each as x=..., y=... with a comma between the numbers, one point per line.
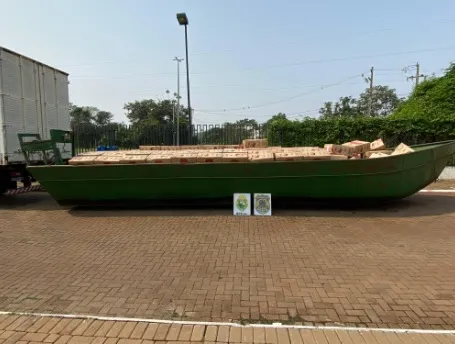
x=383, y=102
x=154, y=122
x=433, y=98
x=317, y=132
x=153, y=112
x=230, y=133
x=88, y=115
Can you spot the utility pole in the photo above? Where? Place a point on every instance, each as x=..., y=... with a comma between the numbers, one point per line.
x=370, y=79
x=418, y=74
x=177, y=114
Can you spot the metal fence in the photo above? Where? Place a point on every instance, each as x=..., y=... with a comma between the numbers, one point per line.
x=125, y=137
x=88, y=137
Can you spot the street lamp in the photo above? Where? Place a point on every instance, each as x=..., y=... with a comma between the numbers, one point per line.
x=183, y=20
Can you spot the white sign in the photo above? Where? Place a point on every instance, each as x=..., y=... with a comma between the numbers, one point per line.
x=263, y=204
x=242, y=204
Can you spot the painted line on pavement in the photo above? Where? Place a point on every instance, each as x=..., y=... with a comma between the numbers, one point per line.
x=208, y=323
x=438, y=191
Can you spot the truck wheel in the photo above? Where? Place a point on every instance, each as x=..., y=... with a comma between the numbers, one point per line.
x=4, y=182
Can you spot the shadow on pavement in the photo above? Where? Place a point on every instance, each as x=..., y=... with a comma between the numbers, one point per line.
x=416, y=205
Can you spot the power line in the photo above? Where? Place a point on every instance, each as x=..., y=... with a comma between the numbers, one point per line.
x=284, y=65
x=234, y=49
x=282, y=100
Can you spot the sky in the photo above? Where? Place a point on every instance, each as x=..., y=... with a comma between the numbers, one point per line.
x=247, y=59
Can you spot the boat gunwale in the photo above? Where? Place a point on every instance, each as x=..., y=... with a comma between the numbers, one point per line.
x=435, y=144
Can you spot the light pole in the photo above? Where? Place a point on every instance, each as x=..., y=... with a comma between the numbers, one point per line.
x=177, y=112
x=183, y=20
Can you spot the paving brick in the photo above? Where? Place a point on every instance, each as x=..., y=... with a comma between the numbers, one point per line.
x=14, y=338
x=174, y=332
x=223, y=334
x=185, y=333
x=139, y=330
x=116, y=329
x=271, y=335
x=6, y=321
x=34, y=337
x=211, y=334
x=150, y=331
x=294, y=336
x=129, y=341
x=259, y=335
x=127, y=330
x=161, y=332
x=283, y=336
x=320, y=337
x=63, y=339
x=58, y=328
x=115, y=341
x=16, y=323
x=249, y=270
x=235, y=334
x=78, y=331
x=198, y=333
x=93, y=328
x=81, y=340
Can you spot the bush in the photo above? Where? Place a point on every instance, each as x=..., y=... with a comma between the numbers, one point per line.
x=316, y=132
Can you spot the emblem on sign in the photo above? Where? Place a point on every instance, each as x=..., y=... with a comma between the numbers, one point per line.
x=262, y=204
x=242, y=204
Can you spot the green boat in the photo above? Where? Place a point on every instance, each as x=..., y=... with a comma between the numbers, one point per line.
x=387, y=178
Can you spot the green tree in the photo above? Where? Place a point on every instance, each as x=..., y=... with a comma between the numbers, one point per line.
x=102, y=118
x=80, y=115
x=431, y=99
x=152, y=122
x=344, y=107
x=231, y=133
x=278, y=117
x=384, y=101
x=154, y=112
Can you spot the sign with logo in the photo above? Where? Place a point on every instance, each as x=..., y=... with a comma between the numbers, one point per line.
x=242, y=204
x=263, y=204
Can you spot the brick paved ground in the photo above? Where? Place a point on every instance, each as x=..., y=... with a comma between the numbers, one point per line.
x=391, y=267
x=21, y=330
x=442, y=185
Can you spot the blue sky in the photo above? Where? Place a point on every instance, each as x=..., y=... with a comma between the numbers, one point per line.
x=248, y=59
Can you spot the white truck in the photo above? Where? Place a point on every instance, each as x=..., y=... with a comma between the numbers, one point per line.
x=33, y=99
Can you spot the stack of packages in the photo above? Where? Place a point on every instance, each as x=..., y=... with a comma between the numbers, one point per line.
x=364, y=149
x=251, y=150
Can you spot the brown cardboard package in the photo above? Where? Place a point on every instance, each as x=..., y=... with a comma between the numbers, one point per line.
x=265, y=156
x=378, y=155
x=377, y=145
x=208, y=157
x=107, y=160
x=235, y=157
x=82, y=160
x=133, y=159
x=290, y=156
x=159, y=158
x=385, y=151
x=402, y=149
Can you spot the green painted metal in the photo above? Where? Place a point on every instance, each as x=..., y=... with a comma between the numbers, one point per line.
x=32, y=143
x=391, y=177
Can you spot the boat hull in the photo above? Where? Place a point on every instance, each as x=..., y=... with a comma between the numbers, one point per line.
x=386, y=178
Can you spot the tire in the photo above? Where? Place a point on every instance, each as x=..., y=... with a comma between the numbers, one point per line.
x=4, y=182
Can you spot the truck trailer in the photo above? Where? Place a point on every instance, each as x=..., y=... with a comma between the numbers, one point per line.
x=33, y=99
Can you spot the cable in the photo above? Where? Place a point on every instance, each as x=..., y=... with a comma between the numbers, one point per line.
x=288, y=115
x=284, y=64
x=234, y=49
x=282, y=100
